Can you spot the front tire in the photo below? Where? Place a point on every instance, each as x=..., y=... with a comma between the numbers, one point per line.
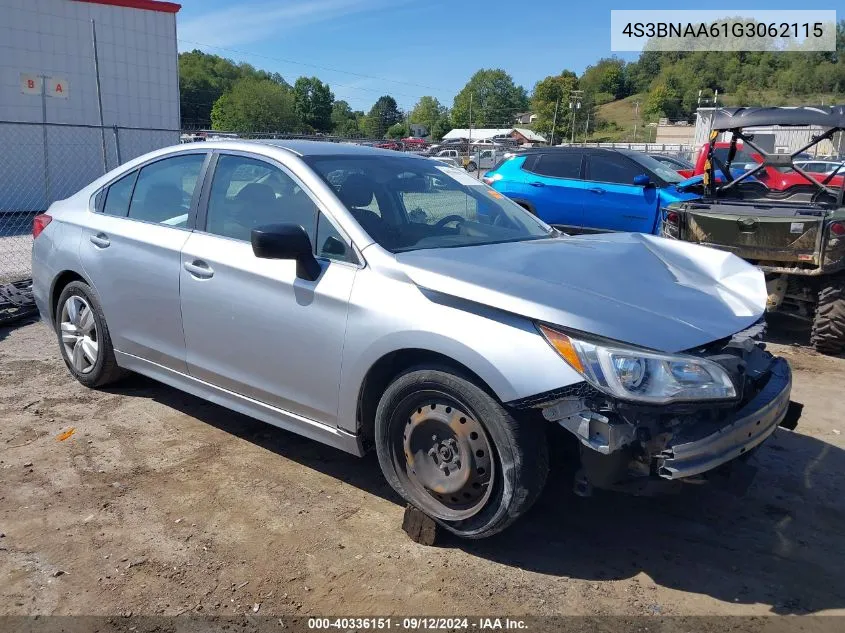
x=450, y=449
x=828, y=334
x=84, y=338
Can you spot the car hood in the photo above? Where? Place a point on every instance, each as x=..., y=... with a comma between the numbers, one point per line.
x=640, y=289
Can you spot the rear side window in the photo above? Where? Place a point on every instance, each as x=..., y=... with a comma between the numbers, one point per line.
x=558, y=165
x=613, y=168
x=164, y=190
x=118, y=194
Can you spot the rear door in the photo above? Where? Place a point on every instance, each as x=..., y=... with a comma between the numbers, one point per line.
x=613, y=202
x=130, y=251
x=555, y=188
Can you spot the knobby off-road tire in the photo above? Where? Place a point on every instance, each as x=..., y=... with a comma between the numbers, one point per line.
x=452, y=450
x=828, y=334
x=81, y=331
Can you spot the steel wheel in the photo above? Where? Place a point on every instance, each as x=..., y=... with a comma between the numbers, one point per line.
x=80, y=338
x=445, y=456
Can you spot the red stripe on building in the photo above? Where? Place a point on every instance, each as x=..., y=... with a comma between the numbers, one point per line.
x=147, y=5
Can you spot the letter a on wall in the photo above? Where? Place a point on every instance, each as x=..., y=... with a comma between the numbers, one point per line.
x=57, y=87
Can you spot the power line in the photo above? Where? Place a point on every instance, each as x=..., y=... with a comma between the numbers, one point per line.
x=326, y=68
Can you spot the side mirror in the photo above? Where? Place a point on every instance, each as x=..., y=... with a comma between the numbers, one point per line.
x=749, y=166
x=334, y=246
x=286, y=241
x=642, y=180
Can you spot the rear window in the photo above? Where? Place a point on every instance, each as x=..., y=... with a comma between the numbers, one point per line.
x=557, y=165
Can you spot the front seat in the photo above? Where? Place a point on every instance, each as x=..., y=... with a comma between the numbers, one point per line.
x=255, y=205
x=356, y=192
x=163, y=202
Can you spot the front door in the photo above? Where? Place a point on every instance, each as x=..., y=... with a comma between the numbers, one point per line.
x=251, y=325
x=613, y=201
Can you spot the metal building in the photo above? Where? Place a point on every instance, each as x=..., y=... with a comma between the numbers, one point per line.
x=84, y=86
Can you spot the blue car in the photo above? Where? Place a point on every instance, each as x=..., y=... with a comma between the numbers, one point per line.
x=583, y=189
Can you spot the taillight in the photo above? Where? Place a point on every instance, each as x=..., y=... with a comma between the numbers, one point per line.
x=672, y=217
x=487, y=180
x=837, y=229
x=39, y=223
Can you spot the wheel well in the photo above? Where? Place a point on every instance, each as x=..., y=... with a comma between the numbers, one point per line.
x=387, y=368
x=61, y=281
x=527, y=206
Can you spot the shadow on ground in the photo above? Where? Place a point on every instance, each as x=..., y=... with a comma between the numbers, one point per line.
x=781, y=544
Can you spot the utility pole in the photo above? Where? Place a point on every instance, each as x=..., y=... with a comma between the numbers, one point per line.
x=574, y=104
x=636, y=118
x=554, y=122
x=587, y=127
x=470, y=123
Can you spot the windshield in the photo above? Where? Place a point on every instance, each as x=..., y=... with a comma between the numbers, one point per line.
x=664, y=172
x=741, y=159
x=407, y=203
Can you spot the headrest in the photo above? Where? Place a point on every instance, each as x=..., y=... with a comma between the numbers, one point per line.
x=356, y=191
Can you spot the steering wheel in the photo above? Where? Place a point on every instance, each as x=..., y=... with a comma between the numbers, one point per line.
x=449, y=218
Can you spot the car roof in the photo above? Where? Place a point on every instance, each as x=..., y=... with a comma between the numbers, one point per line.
x=564, y=150
x=299, y=147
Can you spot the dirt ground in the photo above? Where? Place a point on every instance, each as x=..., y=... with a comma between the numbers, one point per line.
x=160, y=503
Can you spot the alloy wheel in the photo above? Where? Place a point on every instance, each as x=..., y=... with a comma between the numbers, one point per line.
x=79, y=334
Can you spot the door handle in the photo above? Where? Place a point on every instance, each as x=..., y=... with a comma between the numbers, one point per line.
x=200, y=269
x=598, y=190
x=100, y=240
x=537, y=184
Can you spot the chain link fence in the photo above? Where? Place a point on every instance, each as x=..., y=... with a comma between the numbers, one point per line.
x=42, y=163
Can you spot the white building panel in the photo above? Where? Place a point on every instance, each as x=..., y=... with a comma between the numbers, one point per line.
x=139, y=88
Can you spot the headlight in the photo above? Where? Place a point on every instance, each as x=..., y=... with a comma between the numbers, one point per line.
x=632, y=374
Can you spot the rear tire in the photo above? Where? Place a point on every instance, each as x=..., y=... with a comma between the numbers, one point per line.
x=453, y=451
x=84, y=338
x=828, y=334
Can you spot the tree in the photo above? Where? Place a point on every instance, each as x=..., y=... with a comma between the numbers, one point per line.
x=313, y=103
x=381, y=116
x=440, y=128
x=552, y=93
x=427, y=112
x=255, y=105
x=341, y=113
x=496, y=100
x=397, y=130
x=605, y=76
x=203, y=78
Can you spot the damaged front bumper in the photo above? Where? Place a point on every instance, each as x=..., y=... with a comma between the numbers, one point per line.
x=699, y=450
x=651, y=449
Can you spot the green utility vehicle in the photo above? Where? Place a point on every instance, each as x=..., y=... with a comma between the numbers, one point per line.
x=796, y=236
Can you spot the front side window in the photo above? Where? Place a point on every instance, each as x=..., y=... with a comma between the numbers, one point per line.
x=423, y=204
x=118, y=194
x=247, y=193
x=164, y=190
x=650, y=164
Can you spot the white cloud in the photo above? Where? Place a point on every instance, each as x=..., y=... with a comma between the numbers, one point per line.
x=253, y=22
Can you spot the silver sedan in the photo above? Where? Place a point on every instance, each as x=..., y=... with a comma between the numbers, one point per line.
x=369, y=299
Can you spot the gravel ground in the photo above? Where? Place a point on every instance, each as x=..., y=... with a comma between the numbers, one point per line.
x=160, y=503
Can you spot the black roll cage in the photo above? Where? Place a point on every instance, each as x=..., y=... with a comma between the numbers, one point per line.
x=712, y=190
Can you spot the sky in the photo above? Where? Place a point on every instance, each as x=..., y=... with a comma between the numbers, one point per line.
x=410, y=48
